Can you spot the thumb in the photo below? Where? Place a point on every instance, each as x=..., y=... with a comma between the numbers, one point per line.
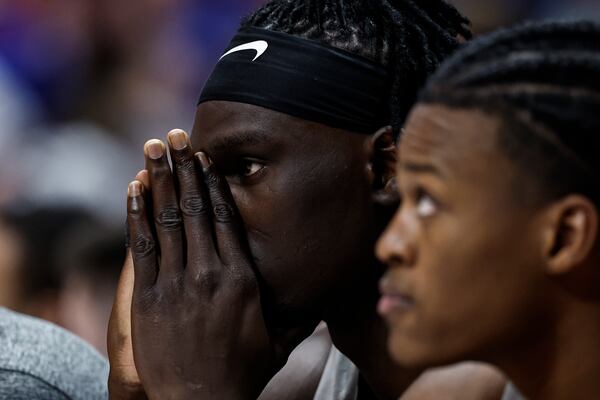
x=123, y=374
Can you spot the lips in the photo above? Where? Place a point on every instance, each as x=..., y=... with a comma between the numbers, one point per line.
x=393, y=299
x=389, y=304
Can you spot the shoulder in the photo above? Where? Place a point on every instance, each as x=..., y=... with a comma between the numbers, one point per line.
x=21, y=386
x=299, y=378
x=462, y=381
x=40, y=356
x=340, y=378
x=511, y=393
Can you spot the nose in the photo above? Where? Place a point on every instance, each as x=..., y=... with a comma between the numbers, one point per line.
x=393, y=247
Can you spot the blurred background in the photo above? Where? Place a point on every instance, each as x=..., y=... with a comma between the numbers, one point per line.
x=83, y=84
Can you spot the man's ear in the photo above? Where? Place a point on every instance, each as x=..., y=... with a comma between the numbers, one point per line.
x=570, y=234
x=381, y=166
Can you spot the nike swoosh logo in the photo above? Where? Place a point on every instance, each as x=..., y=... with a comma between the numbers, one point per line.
x=260, y=46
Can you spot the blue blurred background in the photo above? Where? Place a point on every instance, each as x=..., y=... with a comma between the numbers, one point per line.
x=83, y=83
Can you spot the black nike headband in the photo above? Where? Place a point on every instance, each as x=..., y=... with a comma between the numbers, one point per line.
x=302, y=78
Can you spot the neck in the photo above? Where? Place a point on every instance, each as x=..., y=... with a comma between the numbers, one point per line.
x=561, y=362
x=361, y=335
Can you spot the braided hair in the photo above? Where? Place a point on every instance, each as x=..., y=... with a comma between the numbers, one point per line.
x=409, y=37
x=543, y=81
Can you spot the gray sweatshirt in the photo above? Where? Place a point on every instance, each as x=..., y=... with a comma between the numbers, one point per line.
x=39, y=360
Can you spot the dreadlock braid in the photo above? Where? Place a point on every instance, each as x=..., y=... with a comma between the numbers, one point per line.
x=543, y=81
x=409, y=37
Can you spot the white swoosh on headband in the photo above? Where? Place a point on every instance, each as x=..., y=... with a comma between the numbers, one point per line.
x=260, y=46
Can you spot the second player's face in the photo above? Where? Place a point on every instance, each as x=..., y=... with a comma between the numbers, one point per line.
x=304, y=195
x=464, y=276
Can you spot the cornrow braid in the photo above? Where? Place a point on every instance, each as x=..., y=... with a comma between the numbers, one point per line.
x=408, y=37
x=543, y=81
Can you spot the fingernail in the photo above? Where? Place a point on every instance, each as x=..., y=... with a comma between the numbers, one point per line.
x=134, y=189
x=139, y=175
x=155, y=149
x=204, y=160
x=142, y=176
x=178, y=139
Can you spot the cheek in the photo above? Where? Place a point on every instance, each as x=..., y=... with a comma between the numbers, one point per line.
x=475, y=286
x=304, y=231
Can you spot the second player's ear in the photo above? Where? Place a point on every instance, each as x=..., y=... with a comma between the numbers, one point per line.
x=570, y=234
x=381, y=166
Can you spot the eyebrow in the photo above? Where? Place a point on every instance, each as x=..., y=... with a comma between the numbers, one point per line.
x=421, y=169
x=238, y=139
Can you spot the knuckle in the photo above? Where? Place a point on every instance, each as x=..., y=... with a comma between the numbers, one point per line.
x=193, y=206
x=143, y=245
x=207, y=280
x=184, y=164
x=212, y=179
x=242, y=284
x=172, y=287
x=145, y=302
x=223, y=212
x=169, y=218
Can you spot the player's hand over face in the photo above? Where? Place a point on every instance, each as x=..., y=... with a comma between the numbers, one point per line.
x=197, y=322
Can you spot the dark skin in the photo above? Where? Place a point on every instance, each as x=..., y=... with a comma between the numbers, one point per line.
x=267, y=247
x=283, y=250
x=299, y=162
x=530, y=264
x=298, y=380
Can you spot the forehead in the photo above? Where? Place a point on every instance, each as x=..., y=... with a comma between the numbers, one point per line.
x=222, y=118
x=452, y=138
x=224, y=123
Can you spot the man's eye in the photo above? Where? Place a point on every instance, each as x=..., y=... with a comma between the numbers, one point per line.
x=426, y=205
x=249, y=168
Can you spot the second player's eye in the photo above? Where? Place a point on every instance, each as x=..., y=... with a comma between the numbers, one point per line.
x=426, y=205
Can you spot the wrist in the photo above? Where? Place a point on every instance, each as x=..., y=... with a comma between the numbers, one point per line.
x=119, y=390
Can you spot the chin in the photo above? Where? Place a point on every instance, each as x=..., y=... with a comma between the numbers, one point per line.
x=410, y=352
